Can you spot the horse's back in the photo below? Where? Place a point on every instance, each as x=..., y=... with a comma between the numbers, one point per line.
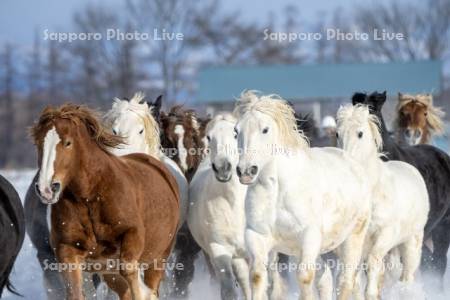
x=409, y=188
x=335, y=162
x=12, y=232
x=183, y=186
x=150, y=164
x=12, y=205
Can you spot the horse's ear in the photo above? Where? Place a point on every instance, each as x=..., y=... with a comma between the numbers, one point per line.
x=382, y=97
x=158, y=102
x=359, y=98
x=400, y=96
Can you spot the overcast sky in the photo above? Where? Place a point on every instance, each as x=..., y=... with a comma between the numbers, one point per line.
x=20, y=18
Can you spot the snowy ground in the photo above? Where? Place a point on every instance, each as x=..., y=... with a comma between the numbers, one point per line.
x=27, y=275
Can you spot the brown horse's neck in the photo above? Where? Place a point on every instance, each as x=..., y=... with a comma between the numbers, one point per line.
x=95, y=164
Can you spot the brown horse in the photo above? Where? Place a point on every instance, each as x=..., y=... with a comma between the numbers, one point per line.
x=182, y=137
x=417, y=119
x=104, y=208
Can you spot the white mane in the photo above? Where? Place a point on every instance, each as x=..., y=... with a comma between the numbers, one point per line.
x=225, y=116
x=354, y=116
x=141, y=108
x=280, y=111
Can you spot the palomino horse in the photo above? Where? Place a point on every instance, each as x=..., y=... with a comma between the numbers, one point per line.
x=417, y=119
x=104, y=207
x=399, y=198
x=182, y=138
x=434, y=165
x=12, y=232
x=301, y=201
x=135, y=120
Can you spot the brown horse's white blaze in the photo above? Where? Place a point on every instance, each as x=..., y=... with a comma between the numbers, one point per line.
x=48, y=187
x=104, y=207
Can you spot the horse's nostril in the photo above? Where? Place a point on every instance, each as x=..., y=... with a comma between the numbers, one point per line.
x=238, y=171
x=55, y=187
x=36, y=188
x=408, y=133
x=253, y=170
x=214, y=167
x=417, y=134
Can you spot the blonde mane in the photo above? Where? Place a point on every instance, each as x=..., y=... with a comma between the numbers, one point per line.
x=138, y=106
x=353, y=116
x=279, y=110
x=225, y=116
x=434, y=114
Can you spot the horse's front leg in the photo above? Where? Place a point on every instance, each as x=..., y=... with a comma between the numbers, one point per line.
x=130, y=253
x=310, y=244
x=258, y=247
x=222, y=261
x=71, y=258
x=350, y=255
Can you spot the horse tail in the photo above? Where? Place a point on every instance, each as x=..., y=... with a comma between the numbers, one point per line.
x=5, y=282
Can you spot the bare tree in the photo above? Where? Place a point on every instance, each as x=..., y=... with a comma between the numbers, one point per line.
x=229, y=39
x=105, y=68
x=167, y=57
x=426, y=27
x=6, y=105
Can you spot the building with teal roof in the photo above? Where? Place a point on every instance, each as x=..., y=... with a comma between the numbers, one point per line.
x=316, y=88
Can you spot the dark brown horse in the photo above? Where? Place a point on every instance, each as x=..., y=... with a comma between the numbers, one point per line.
x=104, y=207
x=417, y=119
x=182, y=137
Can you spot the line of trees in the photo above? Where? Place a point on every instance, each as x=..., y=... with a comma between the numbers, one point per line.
x=95, y=71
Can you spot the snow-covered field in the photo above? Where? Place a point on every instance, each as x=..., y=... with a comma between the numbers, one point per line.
x=27, y=275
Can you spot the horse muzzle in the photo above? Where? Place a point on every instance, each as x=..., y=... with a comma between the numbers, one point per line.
x=48, y=194
x=223, y=172
x=413, y=136
x=248, y=175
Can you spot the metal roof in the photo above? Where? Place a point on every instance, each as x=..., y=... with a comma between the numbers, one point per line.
x=304, y=82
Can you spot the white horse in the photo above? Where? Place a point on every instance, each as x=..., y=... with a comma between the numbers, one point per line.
x=301, y=201
x=134, y=121
x=399, y=198
x=216, y=216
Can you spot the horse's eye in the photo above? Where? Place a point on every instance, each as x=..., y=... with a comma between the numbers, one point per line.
x=337, y=135
x=208, y=138
x=235, y=133
x=114, y=132
x=142, y=131
x=67, y=143
x=425, y=113
x=360, y=134
x=265, y=130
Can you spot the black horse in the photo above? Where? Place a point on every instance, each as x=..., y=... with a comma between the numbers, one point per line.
x=434, y=165
x=12, y=232
x=39, y=233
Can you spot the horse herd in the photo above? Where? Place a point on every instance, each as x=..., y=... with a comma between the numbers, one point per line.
x=138, y=190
